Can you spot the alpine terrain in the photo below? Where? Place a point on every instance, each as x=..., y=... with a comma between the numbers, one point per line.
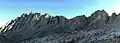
x=44, y=28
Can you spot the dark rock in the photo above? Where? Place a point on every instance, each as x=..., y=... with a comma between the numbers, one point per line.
x=38, y=28
x=112, y=18
x=98, y=19
x=100, y=16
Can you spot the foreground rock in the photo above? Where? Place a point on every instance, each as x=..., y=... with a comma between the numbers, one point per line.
x=44, y=28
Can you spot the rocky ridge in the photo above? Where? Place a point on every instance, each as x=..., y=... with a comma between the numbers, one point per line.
x=38, y=28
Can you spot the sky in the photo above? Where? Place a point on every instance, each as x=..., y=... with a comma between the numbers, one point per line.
x=10, y=9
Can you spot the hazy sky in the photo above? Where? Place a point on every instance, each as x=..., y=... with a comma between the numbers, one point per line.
x=10, y=9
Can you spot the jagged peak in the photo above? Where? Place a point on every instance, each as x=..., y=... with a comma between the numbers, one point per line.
x=112, y=17
x=24, y=15
x=47, y=15
x=59, y=17
x=38, y=14
x=98, y=13
x=31, y=14
x=113, y=14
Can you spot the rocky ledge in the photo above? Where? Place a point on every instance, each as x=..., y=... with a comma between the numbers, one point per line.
x=44, y=28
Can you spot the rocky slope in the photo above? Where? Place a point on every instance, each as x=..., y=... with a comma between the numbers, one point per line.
x=44, y=28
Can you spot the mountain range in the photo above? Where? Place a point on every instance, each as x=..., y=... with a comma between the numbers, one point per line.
x=44, y=28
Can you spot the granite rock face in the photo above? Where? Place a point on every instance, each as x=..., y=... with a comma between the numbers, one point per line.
x=44, y=28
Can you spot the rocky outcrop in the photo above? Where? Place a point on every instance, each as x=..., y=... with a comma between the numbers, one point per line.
x=44, y=28
x=99, y=18
x=112, y=18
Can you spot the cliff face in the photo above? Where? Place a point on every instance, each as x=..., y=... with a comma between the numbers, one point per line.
x=37, y=28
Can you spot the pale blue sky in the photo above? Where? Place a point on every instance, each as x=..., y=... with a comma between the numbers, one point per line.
x=10, y=9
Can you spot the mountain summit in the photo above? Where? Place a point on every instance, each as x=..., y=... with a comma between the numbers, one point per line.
x=44, y=28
